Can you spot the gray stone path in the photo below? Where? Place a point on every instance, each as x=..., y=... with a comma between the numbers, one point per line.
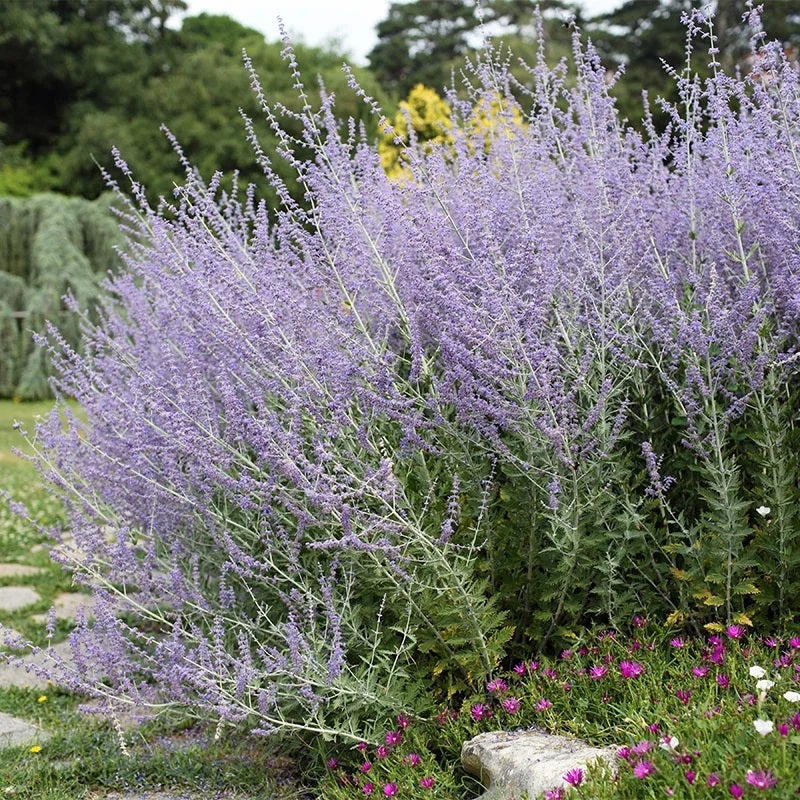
x=15, y=732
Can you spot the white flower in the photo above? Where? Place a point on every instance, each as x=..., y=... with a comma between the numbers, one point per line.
x=764, y=685
x=792, y=697
x=757, y=672
x=763, y=726
x=763, y=510
x=669, y=743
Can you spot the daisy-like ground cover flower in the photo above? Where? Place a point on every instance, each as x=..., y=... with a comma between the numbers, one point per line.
x=714, y=717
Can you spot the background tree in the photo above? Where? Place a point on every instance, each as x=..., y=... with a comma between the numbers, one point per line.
x=425, y=42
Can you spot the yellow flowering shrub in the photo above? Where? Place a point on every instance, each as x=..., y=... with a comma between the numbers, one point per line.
x=432, y=122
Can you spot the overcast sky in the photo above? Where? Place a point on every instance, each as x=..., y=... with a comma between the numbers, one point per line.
x=317, y=21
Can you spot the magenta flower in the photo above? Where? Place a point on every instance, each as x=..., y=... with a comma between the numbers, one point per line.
x=701, y=671
x=723, y=681
x=574, y=777
x=511, y=705
x=366, y=766
x=367, y=789
x=642, y=768
x=624, y=752
x=427, y=783
x=390, y=789
x=361, y=747
x=479, y=711
x=684, y=695
x=332, y=763
x=736, y=790
x=794, y=642
x=639, y=621
x=403, y=721
x=640, y=748
x=394, y=737
x=678, y=642
x=690, y=776
x=783, y=728
x=497, y=686
x=735, y=631
x=713, y=779
x=412, y=759
x=761, y=779
x=630, y=669
x=382, y=751
x=543, y=705
x=519, y=669
x=597, y=672
x=554, y=794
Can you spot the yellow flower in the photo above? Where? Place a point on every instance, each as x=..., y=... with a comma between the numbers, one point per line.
x=36, y=748
x=42, y=699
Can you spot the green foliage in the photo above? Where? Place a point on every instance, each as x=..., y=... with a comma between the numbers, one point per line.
x=50, y=246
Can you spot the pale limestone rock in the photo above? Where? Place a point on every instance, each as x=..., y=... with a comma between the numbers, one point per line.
x=525, y=763
x=14, y=597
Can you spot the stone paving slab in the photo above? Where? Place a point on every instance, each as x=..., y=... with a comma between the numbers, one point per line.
x=11, y=675
x=16, y=597
x=66, y=606
x=18, y=570
x=16, y=732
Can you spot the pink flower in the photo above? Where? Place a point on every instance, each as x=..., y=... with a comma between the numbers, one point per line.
x=426, y=783
x=794, y=642
x=641, y=769
x=382, y=751
x=497, y=686
x=690, y=776
x=713, y=779
x=412, y=759
x=783, y=728
x=723, y=681
x=639, y=621
x=684, y=695
x=736, y=790
x=761, y=779
x=678, y=642
x=543, y=705
x=479, y=712
x=394, y=737
x=554, y=794
x=630, y=669
x=332, y=763
x=511, y=705
x=361, y=747
x=640, y=748
x=390, y=789
x=597, y=672
x=735, y=631
x=403, y=721
x=700, y=672
x=519, y=669
x=574, y=777
x=366, y=766
x=367, y=789
x=624, y=752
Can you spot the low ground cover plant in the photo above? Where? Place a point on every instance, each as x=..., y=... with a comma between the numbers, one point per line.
x=685, y=717
x=338, y=460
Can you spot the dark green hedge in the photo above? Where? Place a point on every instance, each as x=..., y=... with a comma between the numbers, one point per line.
x=50, y=246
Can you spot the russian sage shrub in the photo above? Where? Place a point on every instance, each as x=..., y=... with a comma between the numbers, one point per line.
x=335, y=456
